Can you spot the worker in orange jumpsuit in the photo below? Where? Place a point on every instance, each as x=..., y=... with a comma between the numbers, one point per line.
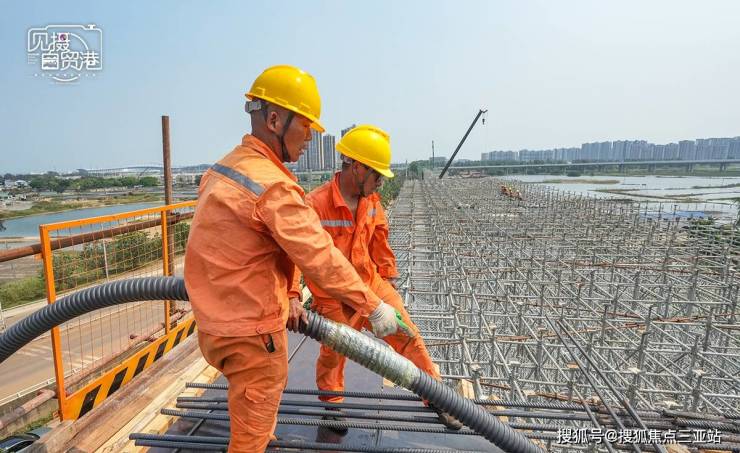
x=350, y=210
x=250, y=231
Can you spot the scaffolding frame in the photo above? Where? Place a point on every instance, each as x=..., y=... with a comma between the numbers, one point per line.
x=551, y=296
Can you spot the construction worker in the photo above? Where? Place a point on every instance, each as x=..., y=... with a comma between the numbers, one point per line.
x=350, y=210
x=250, y=231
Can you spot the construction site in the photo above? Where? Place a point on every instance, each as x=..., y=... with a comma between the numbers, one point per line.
x=581, y=324
x=576, y=312
x=318, y=261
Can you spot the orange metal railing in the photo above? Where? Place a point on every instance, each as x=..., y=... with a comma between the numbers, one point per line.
x=84, y=252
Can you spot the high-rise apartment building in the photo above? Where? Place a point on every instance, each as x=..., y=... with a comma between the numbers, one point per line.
x=331, y=159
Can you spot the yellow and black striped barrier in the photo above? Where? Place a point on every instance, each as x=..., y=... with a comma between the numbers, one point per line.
x=92, y=394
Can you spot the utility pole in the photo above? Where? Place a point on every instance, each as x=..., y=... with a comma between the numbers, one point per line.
x=432, y=155
x=169, y=307
x=166, y=162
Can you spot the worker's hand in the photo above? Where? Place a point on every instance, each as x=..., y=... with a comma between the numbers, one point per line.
x=296, y=314
x=383, y=320
x=386, y=320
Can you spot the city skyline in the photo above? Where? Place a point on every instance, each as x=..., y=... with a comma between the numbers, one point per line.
x=712, y=148
x=320, y=154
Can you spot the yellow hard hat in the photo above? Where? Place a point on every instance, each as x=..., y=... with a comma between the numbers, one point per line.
x=369, y=145
x=291, y=88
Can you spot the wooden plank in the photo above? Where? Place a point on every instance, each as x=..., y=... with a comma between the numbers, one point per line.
x=100, y=424
x=149, y=392
x=465, y=388
x=150, y=420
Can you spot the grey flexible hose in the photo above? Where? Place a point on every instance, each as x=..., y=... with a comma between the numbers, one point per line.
x=343, y=339
x=401, y=371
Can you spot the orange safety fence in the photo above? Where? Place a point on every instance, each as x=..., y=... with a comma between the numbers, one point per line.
x=82, y=253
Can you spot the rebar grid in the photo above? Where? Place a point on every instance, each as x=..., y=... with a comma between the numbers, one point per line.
x=574, y=298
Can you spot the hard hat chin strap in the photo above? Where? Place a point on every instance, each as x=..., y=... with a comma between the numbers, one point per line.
x=281, y=136
x=260, y=105
x=361, y=184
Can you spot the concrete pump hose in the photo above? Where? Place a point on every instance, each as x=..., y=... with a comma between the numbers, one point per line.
x=401, y=371
x=85, y=301
x=345, y=340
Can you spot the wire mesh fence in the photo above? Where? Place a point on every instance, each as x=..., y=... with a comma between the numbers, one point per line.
x=83, y=253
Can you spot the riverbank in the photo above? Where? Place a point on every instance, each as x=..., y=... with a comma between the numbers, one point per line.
x=710, y=172
x=18, y=239
x=713, y=196
x=53, y=206
x=580, y=181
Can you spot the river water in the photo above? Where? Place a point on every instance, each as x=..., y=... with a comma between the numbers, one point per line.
x=28, y=226
x=669, y=191
x=702, y=194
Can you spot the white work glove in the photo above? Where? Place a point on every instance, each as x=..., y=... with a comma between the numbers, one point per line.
x=383, y=320
x=386, y=321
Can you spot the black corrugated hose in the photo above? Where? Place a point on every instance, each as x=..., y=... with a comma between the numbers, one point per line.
x=85, y=301
x=345, y=340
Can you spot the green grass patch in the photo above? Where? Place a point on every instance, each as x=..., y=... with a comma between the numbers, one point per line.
x=22, y=290
x=43, y=421
x=131, y=198
x=390, y=190
x=75, y=268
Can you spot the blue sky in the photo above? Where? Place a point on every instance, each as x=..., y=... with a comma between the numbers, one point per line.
x=551, y=73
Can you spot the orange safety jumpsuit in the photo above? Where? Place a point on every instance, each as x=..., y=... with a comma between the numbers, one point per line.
x=251, y=228
x=364, y=241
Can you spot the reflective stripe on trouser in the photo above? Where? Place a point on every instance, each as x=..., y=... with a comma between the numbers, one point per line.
x=330, y=365
x=256, y=382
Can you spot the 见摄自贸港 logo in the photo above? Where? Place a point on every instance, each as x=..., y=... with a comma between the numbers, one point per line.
x=65, y=53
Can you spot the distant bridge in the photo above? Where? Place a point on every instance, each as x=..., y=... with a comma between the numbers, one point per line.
x=140, y=170
x=137, y=170
x=651, y=164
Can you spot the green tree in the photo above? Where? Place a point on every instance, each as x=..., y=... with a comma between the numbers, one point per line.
x=22, y=290
x=131, y=250
x=182, y=230
x=71, y=269
x=390, y=190
x=149, y=181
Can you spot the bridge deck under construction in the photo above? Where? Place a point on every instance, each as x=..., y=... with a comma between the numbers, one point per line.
x=384, y=419
x=565, y=315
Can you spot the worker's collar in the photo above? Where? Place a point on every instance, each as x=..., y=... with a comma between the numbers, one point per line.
x=336, y=193
x=255, y=144
x=338, y=199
